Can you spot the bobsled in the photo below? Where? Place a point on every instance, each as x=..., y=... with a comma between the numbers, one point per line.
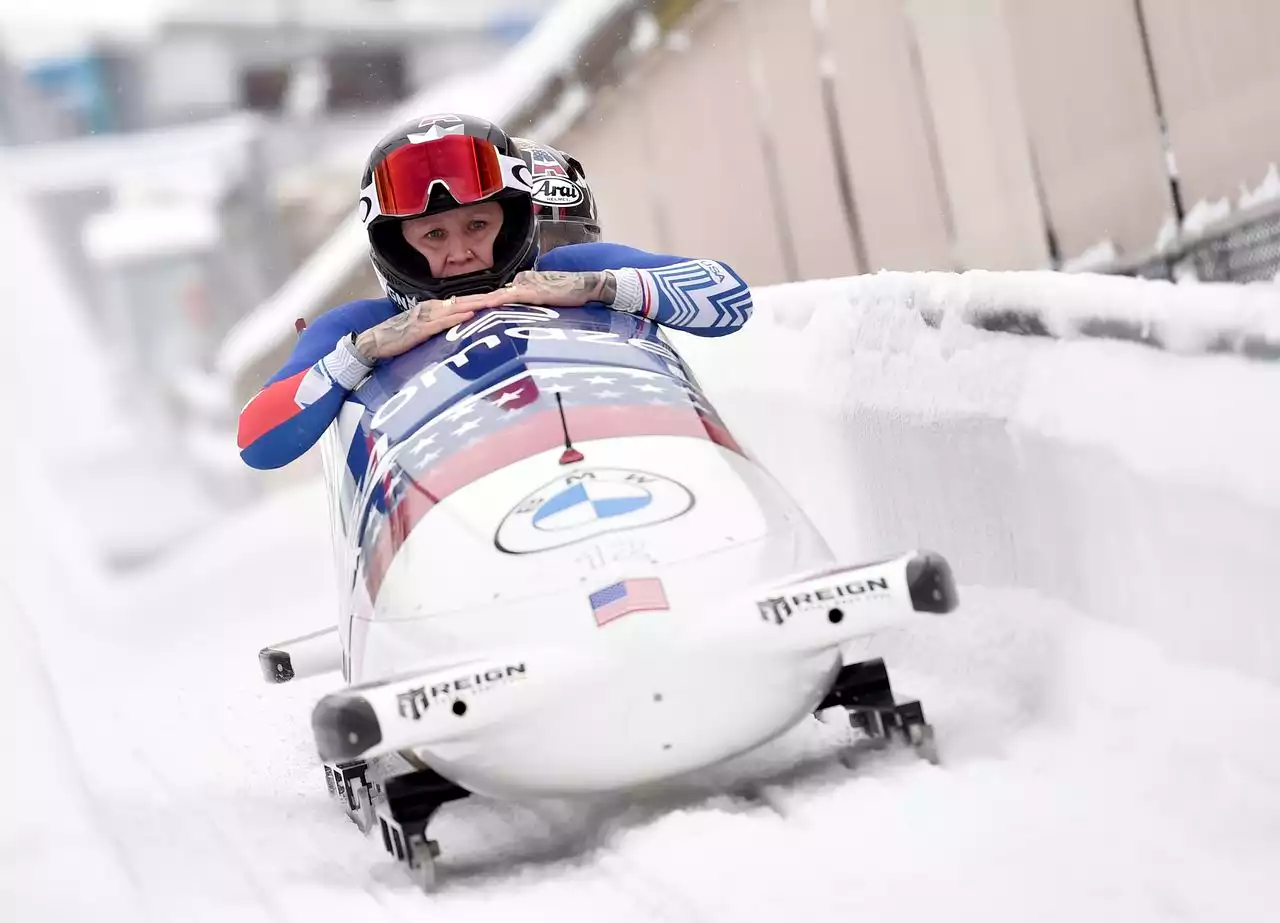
x=562, y=575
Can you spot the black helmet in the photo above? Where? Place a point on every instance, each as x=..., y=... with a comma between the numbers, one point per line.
x=562, y=200
x=433, y=164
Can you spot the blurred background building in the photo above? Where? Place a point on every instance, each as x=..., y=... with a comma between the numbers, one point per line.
x=192, y=174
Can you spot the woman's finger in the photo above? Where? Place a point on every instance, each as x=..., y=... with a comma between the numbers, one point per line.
x=451, y=320
x=519, y=294
x=439, y=324
x=469, y=302
x=503, y=297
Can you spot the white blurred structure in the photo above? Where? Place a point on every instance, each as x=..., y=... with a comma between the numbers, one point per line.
x=344, y=13
x=186, y=60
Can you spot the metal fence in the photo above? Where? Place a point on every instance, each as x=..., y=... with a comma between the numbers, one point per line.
x=1243, y=248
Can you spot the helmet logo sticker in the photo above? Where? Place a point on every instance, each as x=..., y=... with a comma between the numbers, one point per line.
x=433, y=134
x=521, y=173
x=439, y=120
x=437, y=127
x=557, y=191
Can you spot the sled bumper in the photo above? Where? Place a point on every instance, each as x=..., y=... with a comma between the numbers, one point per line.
x=299, y=658
x=857, y=599
x=434, y=706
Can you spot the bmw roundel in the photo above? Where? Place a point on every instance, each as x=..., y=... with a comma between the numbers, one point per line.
x=589, y=503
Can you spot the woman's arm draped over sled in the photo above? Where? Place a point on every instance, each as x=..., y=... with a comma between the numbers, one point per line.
x=297, y=404
x=704, y=297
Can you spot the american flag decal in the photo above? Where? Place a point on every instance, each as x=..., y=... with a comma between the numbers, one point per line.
x=618, y=599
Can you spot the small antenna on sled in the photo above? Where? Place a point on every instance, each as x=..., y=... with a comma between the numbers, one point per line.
x=570, y=454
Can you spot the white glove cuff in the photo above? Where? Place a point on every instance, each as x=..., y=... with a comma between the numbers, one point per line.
x=345, y=365
x=630, y=297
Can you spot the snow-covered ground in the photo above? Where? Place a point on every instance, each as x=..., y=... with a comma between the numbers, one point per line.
x=1106, y=696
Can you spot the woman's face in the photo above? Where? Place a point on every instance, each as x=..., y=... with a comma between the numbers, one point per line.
x=458, y=241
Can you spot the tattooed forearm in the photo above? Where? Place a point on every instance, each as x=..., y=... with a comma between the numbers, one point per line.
x=565, y=283
x=598, y=286
x=607, y=291
x=394, y=331
x=397, y=334
x=570, y=287
x=367, y=344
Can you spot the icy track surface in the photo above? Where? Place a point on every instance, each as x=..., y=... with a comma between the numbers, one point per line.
x=1095, y=765
x=1086, y=776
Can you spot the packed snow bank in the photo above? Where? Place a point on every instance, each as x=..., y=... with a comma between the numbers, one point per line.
x=1136, y=484
x=1189, y=318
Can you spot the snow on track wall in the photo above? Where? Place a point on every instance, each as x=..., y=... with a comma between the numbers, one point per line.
x=1139, y=484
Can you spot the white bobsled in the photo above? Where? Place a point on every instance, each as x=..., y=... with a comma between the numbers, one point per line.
x=564, y=576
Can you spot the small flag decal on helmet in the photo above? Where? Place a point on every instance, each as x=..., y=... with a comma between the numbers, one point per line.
x=618, y=599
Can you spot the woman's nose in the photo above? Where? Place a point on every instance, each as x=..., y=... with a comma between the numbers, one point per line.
x=459, y=252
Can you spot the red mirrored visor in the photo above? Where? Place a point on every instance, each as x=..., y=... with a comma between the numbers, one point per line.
x=468, y=167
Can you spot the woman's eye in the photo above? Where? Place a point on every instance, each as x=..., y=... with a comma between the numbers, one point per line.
x=435, y=234
x=479, y=224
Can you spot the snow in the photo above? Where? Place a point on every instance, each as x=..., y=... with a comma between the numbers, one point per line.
x=1172, y=422
x=1206, y=213
x=45, y=568
x=1266, y=191
x=1088, y=469
x=1189, y=319
x=1167, y=236
x=1094, y=258
x=1102, y=696
x=911, y=341
x=1070, y=752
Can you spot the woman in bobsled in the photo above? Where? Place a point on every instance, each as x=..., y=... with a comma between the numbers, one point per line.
x=450, y=205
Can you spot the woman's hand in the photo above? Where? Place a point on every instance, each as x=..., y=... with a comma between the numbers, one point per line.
x=407, y=329
x=553, y=290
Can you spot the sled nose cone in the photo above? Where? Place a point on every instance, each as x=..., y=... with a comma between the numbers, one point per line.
x=345, y=727
x=929, y=580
